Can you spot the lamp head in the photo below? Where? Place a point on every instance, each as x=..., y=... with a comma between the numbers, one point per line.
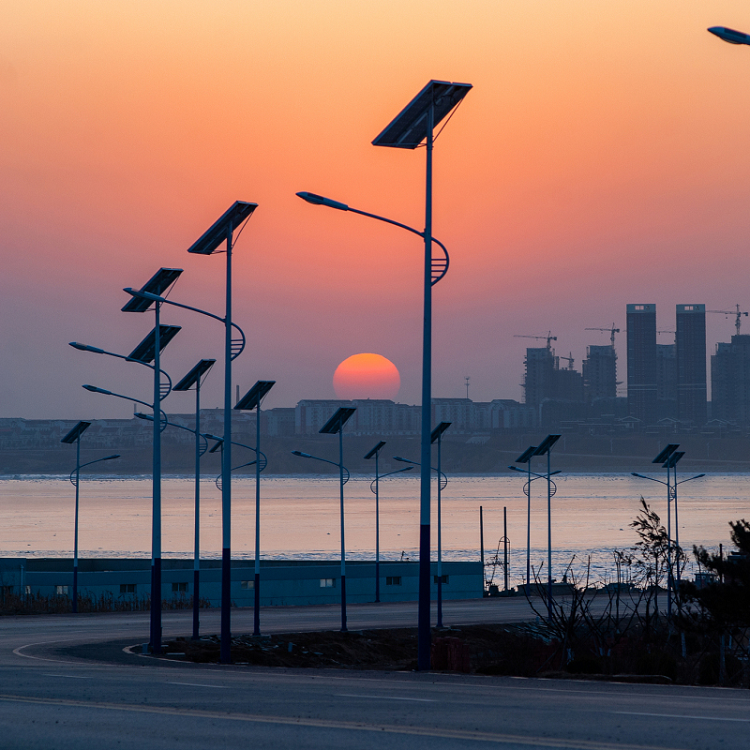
x=319, y=200
x=300, y=453
x=141, y=415
x=94, y=389
x=85, y=347
x=730, y=35
x=142, y=294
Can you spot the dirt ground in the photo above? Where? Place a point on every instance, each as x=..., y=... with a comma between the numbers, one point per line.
x=484, y=649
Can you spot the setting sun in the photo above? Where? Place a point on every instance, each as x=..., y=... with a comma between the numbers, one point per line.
x=366, y=376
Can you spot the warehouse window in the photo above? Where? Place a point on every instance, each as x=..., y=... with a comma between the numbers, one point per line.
x=393, y=580
x=61, y=590
x=127, y=588
x=327, y=583
x=179, y=588
x=247, y=584
x=444, y=578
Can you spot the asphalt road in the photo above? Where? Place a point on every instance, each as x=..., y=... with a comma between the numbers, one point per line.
x=50, y=699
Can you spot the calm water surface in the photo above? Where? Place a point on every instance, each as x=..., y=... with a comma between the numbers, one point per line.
x=300, y=517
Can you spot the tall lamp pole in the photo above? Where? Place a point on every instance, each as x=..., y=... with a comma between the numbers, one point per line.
x=194, y=378
x=252, y=400
x=333, y=426
x=408, y=130
x=209, y=242
x=74, y=436
x=375, y=489
x=159, y=283
x=525, y=458
x=437, y=436
x=442, y=482
x=545, y=447
x=527, y=492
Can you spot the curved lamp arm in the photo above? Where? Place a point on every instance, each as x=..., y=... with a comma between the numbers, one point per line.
x=690, y=479
x=150, y=418
x=217, y=481
x=534, y=474
x=97, y=350
x=319, y=200
x=164, y=301
x=88, y=463
x=443, y=478
x=390, y=473
x=94, y=389
x=325, y=461
x=643, y=476
x=262, y=456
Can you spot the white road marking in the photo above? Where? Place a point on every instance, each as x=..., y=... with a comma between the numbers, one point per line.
x=682, y=716
x=69, y=676
x=197, y=684
x=384, y=697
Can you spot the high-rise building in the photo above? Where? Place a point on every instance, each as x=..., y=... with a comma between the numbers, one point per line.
x=600, y=373
x=641, y=326
x=538, y=380
x=730, y=381
x=690, y=343
x=666, y=380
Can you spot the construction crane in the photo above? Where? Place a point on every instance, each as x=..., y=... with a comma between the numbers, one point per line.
x=612, y=332
x=549, y=337
x=569, y=360
x=737, y=313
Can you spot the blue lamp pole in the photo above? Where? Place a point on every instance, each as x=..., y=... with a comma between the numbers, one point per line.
x=442, y=482
x=195, y=378
x=669, y=458
x=333, y=426
x=74, y=436
x=252, y=400
x=375, y=489
x=149, y=350
x=525, y=458
x=527, y=492
x=408, y=130
x=226, y=229
x=545, y=447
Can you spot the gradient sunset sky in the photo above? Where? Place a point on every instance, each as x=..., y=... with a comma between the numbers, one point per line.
x=602, y=158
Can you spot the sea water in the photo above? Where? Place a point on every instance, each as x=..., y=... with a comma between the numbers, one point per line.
x=590, y=513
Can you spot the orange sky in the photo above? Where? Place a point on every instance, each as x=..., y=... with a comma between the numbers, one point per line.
x=602, y=158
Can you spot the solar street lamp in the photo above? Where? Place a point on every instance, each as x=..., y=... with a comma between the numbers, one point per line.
x=525, y=457
x=74, y=436
x=335, y=425
x=545, y=448
x=375, y=489
x=408, y=130
x=252, y=400
x=669, y=458
x=150, y=350
x=193, y=380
